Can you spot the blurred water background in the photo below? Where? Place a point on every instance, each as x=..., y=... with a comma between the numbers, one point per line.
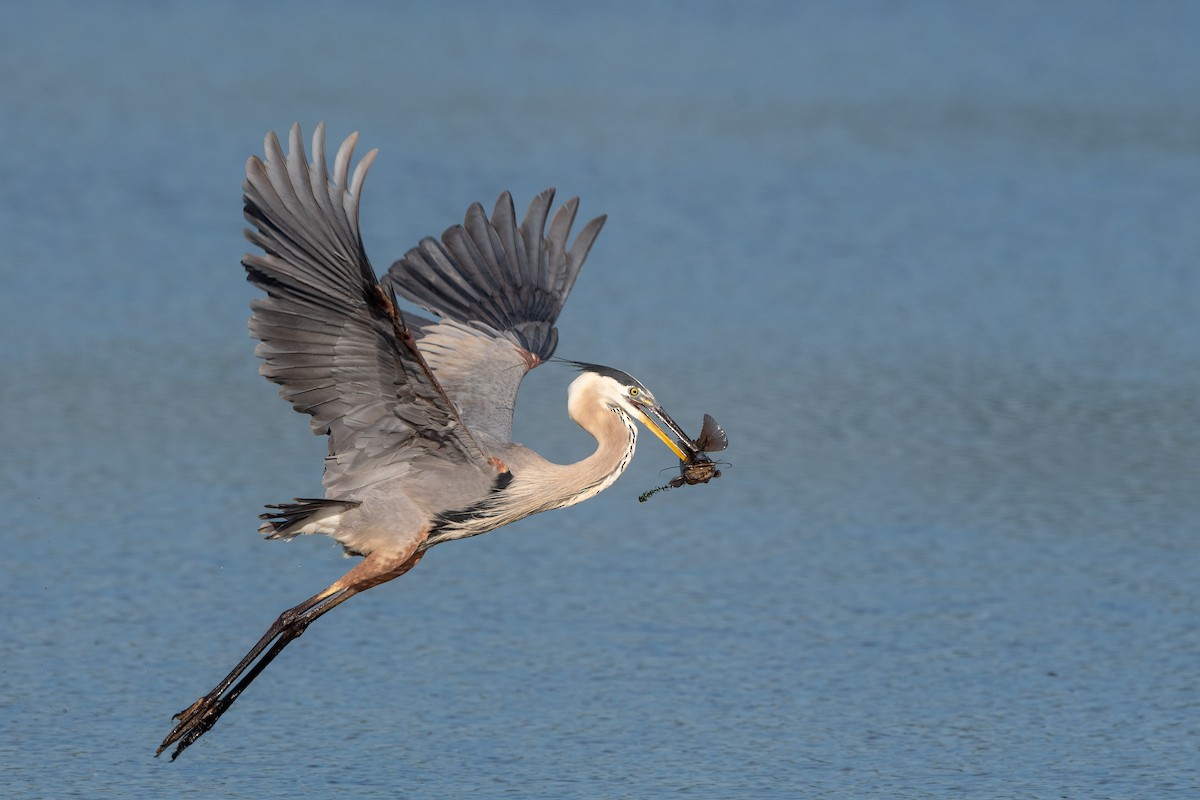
x=933, y=266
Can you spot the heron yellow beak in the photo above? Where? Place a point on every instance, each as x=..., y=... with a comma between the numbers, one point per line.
x=657, y=430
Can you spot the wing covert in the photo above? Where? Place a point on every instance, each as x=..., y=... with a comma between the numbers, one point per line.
x=499, y=287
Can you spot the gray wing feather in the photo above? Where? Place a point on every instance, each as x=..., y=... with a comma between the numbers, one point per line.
x=330, y=334
x=499, y=288
x=481, y=371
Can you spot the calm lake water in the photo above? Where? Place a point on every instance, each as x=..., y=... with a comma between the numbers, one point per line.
x=934, y=268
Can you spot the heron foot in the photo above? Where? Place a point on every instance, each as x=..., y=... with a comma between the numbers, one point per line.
x=193, y=722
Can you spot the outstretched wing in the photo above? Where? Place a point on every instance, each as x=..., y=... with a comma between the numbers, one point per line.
x=499, y=288
x=330, y=334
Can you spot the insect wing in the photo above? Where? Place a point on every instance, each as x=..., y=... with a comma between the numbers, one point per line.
x=712, y=436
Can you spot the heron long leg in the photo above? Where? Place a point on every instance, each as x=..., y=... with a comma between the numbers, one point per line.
x=198, y=718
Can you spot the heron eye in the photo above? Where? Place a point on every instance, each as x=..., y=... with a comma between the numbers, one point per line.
x=634, y=391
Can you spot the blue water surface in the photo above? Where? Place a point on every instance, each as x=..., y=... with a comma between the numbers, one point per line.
x=934, y=267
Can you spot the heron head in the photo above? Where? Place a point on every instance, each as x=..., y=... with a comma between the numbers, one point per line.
x=624, y=393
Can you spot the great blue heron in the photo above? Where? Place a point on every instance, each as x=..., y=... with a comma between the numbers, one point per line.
x=418, y=412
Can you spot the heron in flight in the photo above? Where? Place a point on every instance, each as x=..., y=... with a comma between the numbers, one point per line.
x=418, y=412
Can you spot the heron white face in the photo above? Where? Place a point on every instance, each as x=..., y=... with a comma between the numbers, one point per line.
x=624, y=392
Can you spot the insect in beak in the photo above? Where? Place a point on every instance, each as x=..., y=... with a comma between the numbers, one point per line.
x=694, y=467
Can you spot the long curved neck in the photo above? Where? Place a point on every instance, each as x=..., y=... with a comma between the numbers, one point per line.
x=562, y=485
x=539, y=485
x=616, y=437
